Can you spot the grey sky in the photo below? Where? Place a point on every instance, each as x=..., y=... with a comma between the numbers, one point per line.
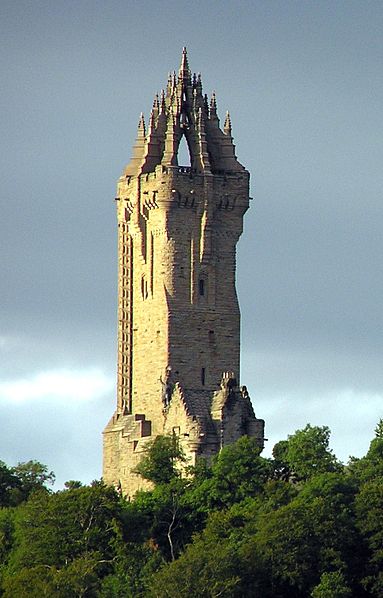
x=303, y=83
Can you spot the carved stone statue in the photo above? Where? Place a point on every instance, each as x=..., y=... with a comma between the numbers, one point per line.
x=167, y=386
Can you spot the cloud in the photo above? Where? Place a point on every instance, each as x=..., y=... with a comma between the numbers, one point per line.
x=350, y=414
x=56, y=386
x=56, y=416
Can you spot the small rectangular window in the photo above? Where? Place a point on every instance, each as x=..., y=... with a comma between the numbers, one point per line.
x=203, y=376
x=201, y=287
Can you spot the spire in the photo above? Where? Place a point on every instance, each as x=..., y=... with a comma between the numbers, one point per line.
x=213, y=106
x=199, y=83
x=169, y=85
x=152, y=122
x=227, y=125
x=138, y=149
x=184, y=72
x=141, y=126
x=206, y=103
x=162, y=102
x=202, y=141
x=156, y=109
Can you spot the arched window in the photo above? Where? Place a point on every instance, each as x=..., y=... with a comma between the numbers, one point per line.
x=183, y=154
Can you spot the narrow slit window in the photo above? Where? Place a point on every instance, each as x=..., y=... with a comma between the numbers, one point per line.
x=203, y=376
x=201, y=287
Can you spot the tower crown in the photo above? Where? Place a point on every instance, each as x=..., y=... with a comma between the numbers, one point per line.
x=183, y=111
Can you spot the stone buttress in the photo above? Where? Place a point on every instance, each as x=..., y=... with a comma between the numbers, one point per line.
x=178, y=314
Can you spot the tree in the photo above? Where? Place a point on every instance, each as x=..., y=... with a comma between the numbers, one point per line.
x=17, y=483
x=69, y=533
x=332, y=585
x=7, y=516
x=35, y=582
x=133, y=565
x=72, y=485
x=305, y=453
x=78, y=578
x=369, y=509
x=10, y=486
x=165, y=516
x=162, y=459
x=236, y=473
x=33, y=476
x=206, y=569
x=312, y=534
x=370, y=466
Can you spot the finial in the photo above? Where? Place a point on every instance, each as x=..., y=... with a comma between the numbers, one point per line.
x=227, y=125
x=141, y=124
x=213, y=105
x=162, y=104
x=201, y=122
x=156, y=106
x=152, y=122
x=169, y=84
x=206, y=102
x=184, y=71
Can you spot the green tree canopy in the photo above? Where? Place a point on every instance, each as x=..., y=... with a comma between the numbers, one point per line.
x=332, y=585
x=162, y=460
x=306, y=453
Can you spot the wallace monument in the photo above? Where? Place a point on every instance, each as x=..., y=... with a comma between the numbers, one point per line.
x=178, y=313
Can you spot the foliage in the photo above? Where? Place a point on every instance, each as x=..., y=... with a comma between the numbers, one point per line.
x=241, y=526
x=369, y=508
x=161, y=461
x=9, y=486
x=305, y=454
x=17, y=483
x=236, y=473
x=33, y=475
x=332, y=585
x=208, y=567
x=67, y=536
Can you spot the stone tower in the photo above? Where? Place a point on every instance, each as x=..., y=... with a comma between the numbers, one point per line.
x=178, y=314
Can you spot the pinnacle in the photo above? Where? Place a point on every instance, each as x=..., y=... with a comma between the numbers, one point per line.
x=227, y=125
x=162, y=105
x=184, y=71
x=141, y=126
x=213, y=105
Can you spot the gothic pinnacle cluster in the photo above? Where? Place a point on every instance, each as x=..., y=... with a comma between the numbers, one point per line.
x=178, y=314
x=184, y=110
